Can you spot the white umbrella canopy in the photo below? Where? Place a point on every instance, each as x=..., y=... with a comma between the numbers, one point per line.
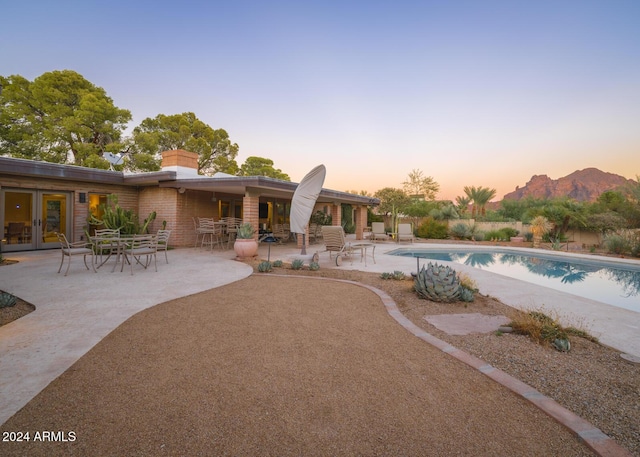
x=304, y=199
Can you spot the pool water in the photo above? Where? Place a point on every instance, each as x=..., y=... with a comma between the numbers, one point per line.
x=617, y=285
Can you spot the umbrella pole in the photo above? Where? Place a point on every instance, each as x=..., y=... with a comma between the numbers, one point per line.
x=304, y=247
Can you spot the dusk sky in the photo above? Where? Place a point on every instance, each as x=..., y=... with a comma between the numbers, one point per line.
x=485, y=93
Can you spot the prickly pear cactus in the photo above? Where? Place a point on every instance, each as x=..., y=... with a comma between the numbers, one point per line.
x=437, y=283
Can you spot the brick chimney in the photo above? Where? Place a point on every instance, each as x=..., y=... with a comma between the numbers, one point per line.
x=184, y=163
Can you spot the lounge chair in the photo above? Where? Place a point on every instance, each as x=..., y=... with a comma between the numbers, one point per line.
x=82, y=248
x=405, y=233
x=335, y=241
x=377, y=232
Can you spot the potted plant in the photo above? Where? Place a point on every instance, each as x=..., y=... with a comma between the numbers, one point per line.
x=245, y=245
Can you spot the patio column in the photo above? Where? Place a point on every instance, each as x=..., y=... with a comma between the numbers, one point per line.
x=336, y=214
x=360, y=220
x=251, y=209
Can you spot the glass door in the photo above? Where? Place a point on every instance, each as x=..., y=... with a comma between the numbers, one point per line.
x=18, y=218
x=31, y=218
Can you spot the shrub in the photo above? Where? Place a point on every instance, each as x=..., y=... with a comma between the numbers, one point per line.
x=508, y=232
x=433, y=229
x=264, y=266
x=479, y=236
x=545, y=329
x=277, y=263
x=617, y=244
x=297, y=264
x=461, y=231
x=494, y=235
x=314, y=266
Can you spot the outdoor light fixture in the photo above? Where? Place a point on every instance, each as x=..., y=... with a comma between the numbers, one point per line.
x=269, y=239
x=213, y=197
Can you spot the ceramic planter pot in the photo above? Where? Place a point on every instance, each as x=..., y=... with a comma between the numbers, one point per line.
x=245, y=247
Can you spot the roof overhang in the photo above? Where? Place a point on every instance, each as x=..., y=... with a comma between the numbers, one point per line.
x=232, y=185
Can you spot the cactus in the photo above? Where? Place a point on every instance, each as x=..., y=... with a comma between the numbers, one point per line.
x=297, y=264
x=466, y=294
x=437, y=283
x=562, y=344
x=386, y=275
x=314, y=266
x=245, y=231
x=264, y=266
x=398, y=275
x=7, y=300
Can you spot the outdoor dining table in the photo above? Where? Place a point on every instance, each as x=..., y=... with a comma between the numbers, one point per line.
x=111, y=244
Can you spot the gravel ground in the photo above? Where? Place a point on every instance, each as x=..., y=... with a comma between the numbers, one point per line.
x=274, y=366
x=591, y=380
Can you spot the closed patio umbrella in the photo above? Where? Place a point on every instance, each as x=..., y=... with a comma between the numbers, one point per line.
x=304, y=199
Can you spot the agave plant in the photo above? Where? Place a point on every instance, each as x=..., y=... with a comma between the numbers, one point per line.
x=265, y=266
x=245, y=231
x=314, y=266
x=6, y=300
x=297, y=264
x=438, y=283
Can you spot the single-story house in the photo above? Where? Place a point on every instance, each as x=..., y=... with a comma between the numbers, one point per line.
x=38, y=199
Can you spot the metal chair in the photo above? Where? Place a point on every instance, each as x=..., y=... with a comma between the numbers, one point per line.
x=69, y=250
x=163, y=242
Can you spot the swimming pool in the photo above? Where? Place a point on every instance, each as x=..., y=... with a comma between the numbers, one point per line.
x=607, y=282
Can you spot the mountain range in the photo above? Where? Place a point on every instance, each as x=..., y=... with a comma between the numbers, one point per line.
x=581, y=185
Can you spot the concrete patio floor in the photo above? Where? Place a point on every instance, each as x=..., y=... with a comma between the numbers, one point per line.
x=75, y=312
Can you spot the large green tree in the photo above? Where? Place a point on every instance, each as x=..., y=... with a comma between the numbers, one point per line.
x=185, y=131
x=59, y=117
x=258, y=166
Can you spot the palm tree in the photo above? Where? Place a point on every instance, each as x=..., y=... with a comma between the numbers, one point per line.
x=462, y=204
x=483, y=195
x=472, y=195
x=480, y=196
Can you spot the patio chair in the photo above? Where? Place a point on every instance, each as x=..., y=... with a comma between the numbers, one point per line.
x=281, y=232
x=69, y=250
x=141, y=250
x=315, y=232
x=335, y=241
x=105, y=242
x=377, y=232
x=405, y=232
x=163, y=242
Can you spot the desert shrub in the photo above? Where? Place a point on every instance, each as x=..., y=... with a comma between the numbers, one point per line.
x=264, y=266
x=277, y=263
x=617, y=244
x=528, y=236
x=494, y=235
x=479, y=236
x=508, y=232
x=545, y=329
x=314, y=266
x=297, y=264
x=461, y=231
x=433, y=229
